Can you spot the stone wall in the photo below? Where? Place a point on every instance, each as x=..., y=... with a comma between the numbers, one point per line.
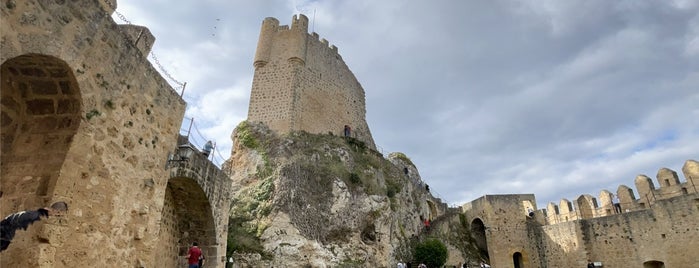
x=625, y=200
x=169, y=234
x=658, y=228
x=201, y=203
x=506, y=227
x=86, y=119
x=302, y=83
x=666, y=232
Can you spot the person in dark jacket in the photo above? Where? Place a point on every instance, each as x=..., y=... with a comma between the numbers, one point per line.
x=22, y=220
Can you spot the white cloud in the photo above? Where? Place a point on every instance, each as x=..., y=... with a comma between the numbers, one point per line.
x=555, y=98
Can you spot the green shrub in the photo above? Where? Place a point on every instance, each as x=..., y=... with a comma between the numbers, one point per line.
x=245, y=135
x=242, y=239
x=392, y=187
x=354, y=178
x=431, y=252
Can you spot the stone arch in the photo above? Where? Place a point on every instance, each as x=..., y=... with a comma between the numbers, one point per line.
x=653, y=264
x=478, y=233
x=187, y=217
x=41, y=112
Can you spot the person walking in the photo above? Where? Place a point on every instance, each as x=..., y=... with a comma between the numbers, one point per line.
x=193, y=255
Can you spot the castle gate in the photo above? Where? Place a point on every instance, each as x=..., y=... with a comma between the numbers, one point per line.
x=197, y=201
x=478, y=234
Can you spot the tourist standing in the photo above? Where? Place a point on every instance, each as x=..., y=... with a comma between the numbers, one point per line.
x=207, y=148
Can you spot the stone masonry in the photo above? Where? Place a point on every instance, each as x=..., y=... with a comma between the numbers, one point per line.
x=86, y=119
x=302, y=83
x=657, y=229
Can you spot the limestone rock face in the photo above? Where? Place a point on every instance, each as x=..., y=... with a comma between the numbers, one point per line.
x=322, y=201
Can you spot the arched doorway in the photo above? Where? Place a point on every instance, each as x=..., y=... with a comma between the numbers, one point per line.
x=40, y=115
x=41, y=106
x=518, y=260
x=653, y=264
x=478, y=234
x=187, y=217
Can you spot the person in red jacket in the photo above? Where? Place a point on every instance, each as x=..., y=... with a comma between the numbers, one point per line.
x=193, y=255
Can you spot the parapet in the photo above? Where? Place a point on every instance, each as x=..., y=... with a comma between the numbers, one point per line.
x=296, y=37
x=587, y=206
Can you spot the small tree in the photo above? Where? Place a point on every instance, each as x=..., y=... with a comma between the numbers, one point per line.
x=431, y=252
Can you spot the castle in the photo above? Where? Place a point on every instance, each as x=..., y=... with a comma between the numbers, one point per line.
x=302, y=83
x=86, y=119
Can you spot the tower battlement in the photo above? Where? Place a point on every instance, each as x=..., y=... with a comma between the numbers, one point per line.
x=629, y=231
x=302, y=83
x=587, y=206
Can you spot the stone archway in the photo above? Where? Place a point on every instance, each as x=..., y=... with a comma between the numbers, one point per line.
x=40, y=115
x=478, y=233
x=187, y=217
x=41, y=106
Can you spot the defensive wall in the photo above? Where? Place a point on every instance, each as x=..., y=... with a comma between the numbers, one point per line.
x=86, y=119
x=302, y=83
x=657, y=229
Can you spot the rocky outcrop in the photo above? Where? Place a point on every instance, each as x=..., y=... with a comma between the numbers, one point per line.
x=309, y=200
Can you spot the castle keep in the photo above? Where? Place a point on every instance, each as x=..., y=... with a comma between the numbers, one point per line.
x=302, y=83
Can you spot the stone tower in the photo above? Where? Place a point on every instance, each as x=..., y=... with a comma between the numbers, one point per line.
x=302, y=83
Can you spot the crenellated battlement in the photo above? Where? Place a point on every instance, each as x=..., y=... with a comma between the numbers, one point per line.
x=622, y=229
x=296, y=33
x=302, y=83
x=315, y=37
x=607, y=203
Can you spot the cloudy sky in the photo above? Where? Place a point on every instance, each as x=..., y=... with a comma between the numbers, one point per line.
x=554, y=98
